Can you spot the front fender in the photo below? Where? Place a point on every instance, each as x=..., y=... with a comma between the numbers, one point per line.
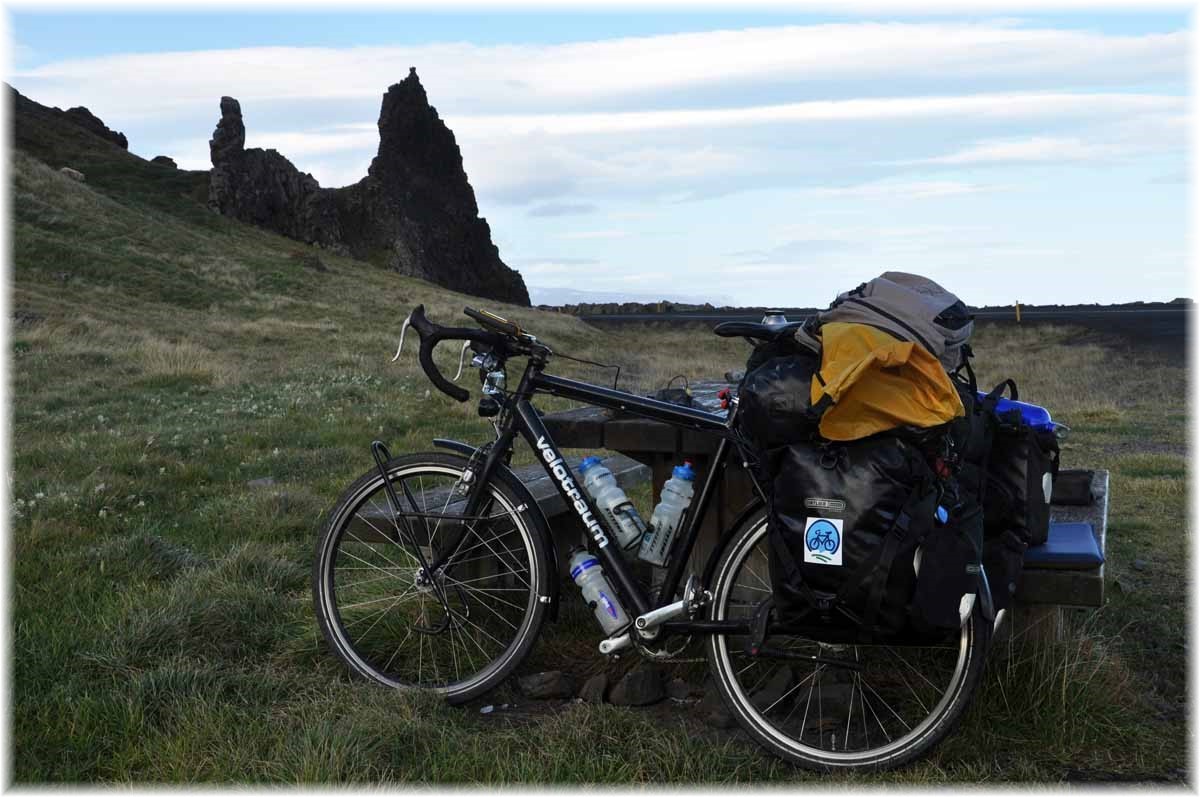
x=515, y=482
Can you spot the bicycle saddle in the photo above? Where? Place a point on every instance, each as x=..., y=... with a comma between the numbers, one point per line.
x=755, y=330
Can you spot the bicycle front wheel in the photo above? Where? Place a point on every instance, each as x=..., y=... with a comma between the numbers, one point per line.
x=458, y=631
x=835, y=706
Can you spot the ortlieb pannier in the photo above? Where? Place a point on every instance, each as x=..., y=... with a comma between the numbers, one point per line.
x=859, y=547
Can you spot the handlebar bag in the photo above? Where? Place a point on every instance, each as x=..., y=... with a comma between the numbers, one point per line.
x=845, y=522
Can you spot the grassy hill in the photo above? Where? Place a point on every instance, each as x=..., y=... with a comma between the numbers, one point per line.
x=165, y=358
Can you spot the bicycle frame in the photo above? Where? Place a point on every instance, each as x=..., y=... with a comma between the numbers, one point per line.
x=520, y=416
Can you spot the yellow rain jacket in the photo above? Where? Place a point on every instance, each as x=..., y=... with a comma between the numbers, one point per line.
x=877, y=382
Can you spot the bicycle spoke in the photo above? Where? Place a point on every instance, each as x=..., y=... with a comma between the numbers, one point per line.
x=489, y=593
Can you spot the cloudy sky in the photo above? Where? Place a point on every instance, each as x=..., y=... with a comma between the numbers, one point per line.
x=757, y=158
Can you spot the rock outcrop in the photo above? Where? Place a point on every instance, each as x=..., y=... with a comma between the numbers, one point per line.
x=262, y=187
x=56, y=136
x=89, y=121
x=164, y=160
x=414, y=211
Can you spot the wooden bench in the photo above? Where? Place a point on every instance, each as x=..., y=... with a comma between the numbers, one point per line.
x=1041, y=595
x=372, y=521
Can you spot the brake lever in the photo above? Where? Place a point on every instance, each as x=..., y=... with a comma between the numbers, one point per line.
x=403, y=329
x=462, y=358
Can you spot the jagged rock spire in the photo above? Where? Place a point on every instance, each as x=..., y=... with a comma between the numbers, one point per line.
x=415, y=209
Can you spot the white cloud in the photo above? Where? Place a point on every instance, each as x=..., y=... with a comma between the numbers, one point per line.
x=904, y=189
x=1150, y=131
x=583, y=235
x=463, y=76
x=976, y=106
x=1035, y=148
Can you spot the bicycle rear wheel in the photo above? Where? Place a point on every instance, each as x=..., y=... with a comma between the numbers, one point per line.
x=835, y=707
x=458, y=631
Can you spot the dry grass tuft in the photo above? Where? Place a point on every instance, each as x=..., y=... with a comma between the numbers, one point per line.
x=185, y=359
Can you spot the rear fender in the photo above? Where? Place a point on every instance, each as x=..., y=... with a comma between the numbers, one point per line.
x=506, y=473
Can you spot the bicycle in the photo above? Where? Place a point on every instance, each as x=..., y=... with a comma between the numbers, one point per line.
x=436, y=571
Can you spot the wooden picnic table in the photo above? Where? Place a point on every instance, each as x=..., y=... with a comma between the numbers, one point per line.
x=1043, y=591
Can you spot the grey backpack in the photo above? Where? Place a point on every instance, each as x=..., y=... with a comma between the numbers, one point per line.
x=910, y=307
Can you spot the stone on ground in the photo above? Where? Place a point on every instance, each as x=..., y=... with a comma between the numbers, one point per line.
x=547, y=685
x=594, y=688
x=642, y=686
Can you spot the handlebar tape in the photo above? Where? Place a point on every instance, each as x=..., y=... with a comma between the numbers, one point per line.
x=431, y=335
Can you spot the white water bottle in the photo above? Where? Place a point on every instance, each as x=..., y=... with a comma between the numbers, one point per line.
x=676, y=495
x=589, y=577
x=615, y=507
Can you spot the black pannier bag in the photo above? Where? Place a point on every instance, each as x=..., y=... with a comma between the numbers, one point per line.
x=1022, y=467
x=1003, y=562
x=846, y=521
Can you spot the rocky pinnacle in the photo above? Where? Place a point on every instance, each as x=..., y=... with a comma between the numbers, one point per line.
x=415, y=210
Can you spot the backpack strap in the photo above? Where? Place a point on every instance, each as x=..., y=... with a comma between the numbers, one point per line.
x=998, y=390
x=965, y=365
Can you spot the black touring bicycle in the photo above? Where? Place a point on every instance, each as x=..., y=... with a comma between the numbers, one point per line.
x=436, y=571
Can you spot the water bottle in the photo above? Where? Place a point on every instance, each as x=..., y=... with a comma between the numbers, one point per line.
x=600, y=596
x=676, y=495
x=615, y=508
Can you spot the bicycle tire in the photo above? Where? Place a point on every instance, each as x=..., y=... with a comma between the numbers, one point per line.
x=971, y=657
x=527, y=525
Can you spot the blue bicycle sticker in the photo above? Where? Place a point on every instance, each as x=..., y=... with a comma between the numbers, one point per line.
x=823, y=541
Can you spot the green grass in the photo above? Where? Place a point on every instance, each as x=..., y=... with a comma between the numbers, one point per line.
x=161, y=621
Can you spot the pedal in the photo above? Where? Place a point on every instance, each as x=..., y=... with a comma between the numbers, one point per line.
x=696, y=598
x=608, y=647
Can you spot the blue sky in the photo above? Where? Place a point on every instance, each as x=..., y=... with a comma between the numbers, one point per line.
x=758, y=158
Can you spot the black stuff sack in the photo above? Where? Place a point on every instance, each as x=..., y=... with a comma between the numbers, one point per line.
x=1022, y=467
x=774, y=401
x=845, y=522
